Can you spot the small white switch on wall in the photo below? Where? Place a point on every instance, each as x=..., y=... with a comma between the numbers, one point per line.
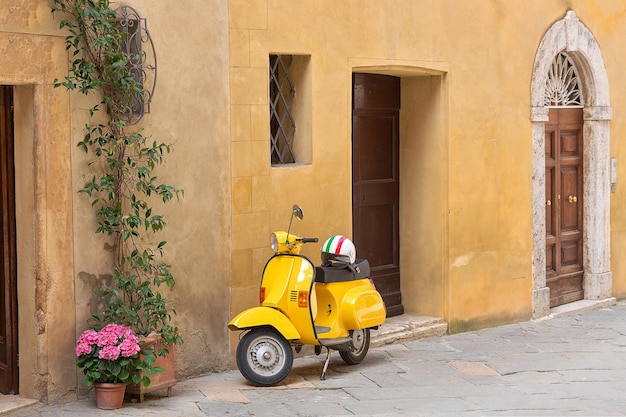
x=613, y=174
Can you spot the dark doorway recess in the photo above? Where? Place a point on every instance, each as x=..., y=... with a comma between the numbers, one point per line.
x=375, y=175
x=8, y=257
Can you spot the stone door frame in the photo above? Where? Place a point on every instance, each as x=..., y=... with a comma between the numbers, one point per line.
x=570, y=35
x=43, y=206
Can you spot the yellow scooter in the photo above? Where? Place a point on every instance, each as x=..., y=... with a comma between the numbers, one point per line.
x=334, y=306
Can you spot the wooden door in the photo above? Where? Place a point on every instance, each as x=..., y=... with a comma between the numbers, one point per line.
x=376, y=193
x=8, y=259
x=564, y=205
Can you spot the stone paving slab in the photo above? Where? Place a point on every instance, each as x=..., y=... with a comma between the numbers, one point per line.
x=571, y=365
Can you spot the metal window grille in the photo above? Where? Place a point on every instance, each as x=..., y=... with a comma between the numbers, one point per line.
x=562, y=88
x=282, y=123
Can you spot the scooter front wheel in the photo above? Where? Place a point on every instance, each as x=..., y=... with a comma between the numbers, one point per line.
x=361, y=343
x=264, y=357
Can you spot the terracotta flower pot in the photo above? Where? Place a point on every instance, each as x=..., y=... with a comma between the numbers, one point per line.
x=109, y=396
x=160, y=380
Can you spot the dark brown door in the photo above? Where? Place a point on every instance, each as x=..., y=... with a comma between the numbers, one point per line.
x=8, y=275
x=376, y=193
x=564, y=205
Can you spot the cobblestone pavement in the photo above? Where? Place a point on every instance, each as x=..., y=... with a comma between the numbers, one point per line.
x=568, y=366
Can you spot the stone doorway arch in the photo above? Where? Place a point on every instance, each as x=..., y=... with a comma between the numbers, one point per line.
x=570, y=35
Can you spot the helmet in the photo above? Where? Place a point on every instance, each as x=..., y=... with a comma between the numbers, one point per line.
x=338, y=249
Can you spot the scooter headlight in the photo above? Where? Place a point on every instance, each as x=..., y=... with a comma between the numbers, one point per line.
x=274, y=242
x=278, y=242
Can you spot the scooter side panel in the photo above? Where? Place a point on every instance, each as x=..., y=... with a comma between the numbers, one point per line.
x=286, y=279
x=264, y=316
x=301, y=285
x=363, y=308
x=327, y=320
x=274, y=282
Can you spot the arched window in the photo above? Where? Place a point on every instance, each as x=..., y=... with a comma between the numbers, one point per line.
x=562, y=88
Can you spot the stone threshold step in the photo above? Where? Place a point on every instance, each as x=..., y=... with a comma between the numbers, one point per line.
x=405, y=328
x=580, y=306
x=11, y=403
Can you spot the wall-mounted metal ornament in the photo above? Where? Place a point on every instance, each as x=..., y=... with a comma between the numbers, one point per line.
x=142, y=63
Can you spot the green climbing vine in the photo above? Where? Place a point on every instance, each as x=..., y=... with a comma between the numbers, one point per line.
x=124, y=193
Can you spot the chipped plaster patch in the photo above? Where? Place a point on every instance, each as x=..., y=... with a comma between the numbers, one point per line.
x=463, y=260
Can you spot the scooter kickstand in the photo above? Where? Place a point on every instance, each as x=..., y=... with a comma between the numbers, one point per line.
x=323, y=376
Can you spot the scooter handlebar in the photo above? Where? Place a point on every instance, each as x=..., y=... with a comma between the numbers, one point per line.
x=309, y=240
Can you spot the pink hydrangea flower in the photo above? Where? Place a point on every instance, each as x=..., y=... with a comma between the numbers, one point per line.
x=109, y=353
x=109, y=347
x=88, y=336
x=110, y=334
x=109, y=343
x=129, y=347
x=83, y=348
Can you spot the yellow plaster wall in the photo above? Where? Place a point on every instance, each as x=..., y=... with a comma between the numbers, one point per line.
x=60, y=258
x=361, y=37
x=423, y=165
x=490, y=277
x=608, y=25
x=190, y=109
x=466, y=245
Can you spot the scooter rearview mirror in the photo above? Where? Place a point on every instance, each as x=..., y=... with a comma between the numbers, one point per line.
x=297, y=211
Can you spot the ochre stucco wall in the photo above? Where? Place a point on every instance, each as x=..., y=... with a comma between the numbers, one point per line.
x=423, y=164
x=608, y=25
x=189, y=110
x=60, y=258
x=466, y=68
x=466, y=220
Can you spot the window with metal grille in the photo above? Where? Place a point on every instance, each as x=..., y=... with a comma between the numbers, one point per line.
x=282, y=123
x=288, y=75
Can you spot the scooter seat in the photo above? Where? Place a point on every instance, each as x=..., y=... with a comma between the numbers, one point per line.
x=359, y=270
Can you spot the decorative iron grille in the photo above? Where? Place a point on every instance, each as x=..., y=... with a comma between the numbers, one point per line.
x=282, y=123
x=141, y=60
x=562, y=88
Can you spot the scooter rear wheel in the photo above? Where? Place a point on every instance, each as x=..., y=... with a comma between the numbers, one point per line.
x=361, y=343
x=264, y=357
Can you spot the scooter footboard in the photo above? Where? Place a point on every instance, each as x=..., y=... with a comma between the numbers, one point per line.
x=363, y=309
x=264, y=316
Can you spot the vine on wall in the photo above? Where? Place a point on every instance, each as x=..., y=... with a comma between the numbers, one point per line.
x=124, y=193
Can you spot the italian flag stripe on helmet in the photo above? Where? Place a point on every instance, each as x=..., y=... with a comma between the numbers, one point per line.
x=334, y=242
